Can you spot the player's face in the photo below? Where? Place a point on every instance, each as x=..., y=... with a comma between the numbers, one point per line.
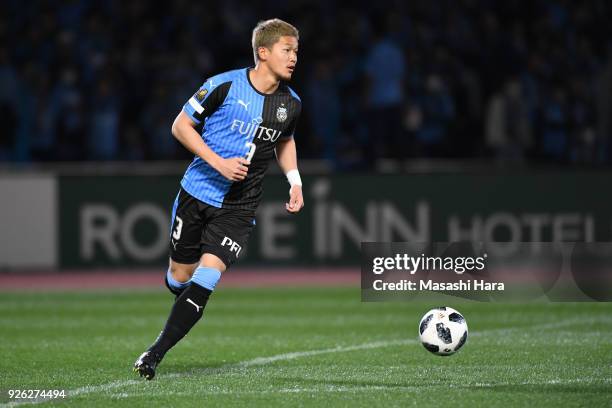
x=283, y=57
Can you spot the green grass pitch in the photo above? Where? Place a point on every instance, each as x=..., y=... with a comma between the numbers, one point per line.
x=302, y=347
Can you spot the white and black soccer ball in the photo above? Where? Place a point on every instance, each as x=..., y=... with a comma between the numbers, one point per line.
x=443, y=331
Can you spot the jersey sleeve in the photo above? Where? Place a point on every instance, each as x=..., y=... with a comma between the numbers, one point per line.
x=206, y=100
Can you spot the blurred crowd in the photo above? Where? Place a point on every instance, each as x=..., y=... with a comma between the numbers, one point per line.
x=513, y=81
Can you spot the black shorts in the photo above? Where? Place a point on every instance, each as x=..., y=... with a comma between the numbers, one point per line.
x=199, y=228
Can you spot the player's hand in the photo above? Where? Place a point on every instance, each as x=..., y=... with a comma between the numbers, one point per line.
x=234, y=168
x=296, y=200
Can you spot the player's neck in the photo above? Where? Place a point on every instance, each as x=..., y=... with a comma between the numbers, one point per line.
x=263, y=79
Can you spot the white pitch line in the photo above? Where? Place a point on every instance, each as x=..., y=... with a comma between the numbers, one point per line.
x=338, y=349
x=291, y=356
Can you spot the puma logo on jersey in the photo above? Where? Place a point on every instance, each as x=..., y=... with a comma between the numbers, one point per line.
x=234, y=247
x=198, y=307
x=243, y=103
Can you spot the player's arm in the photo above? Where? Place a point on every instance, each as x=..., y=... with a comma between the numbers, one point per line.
x=183, y=129
x=286, y=155
x=205, y=102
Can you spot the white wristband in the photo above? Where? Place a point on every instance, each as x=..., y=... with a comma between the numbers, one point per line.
x=294, y=177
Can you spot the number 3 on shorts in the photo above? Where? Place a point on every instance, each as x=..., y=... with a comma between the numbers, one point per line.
x=251, y=152
x=176, y=234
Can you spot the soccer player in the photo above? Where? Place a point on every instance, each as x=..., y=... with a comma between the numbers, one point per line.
x=245, y=116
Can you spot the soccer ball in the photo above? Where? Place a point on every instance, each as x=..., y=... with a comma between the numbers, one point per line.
x=443, y=331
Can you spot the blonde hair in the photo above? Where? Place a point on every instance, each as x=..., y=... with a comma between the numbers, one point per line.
x=268, y=32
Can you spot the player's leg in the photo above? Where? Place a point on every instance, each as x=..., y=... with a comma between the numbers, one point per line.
x=185, y=242
x=185, y=252
x=186, y=311
x=219, y=253
x=190, y=304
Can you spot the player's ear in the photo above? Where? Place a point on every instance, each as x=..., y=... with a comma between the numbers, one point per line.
x=263, y=53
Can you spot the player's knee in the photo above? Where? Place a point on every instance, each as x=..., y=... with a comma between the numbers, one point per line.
x=212, y=261
x=181, y=272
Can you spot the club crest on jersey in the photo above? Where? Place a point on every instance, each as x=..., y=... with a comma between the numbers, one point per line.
x=201, y=94
x=281, y=114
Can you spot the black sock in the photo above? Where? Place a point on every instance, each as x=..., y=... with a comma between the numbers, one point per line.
x=186, y=312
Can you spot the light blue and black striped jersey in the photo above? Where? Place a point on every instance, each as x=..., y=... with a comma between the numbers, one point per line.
x=237, y=121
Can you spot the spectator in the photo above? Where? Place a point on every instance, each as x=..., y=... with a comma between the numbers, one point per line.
x=418, y=71
x=384, y=94
x=508, y=128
